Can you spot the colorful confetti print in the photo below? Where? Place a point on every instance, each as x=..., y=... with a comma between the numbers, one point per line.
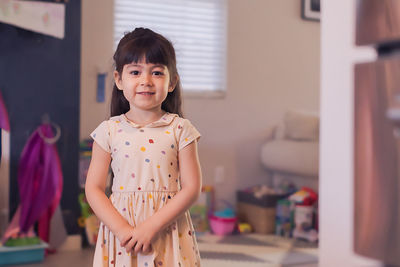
x=140, y=158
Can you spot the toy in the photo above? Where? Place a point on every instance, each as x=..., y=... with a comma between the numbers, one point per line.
x=223, y=222
x=284, y=218
x=226, y=213
x=295, y=216
x=88, y=220
x=310, y=235
x=244, y=228
x=260, y=191
x=22, y=241
x=222, y=226
x=201, y=208
x=305, y=196
x=85, y=154
x=304, y=214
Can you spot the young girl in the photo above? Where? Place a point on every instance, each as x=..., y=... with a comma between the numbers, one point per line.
x=153, y=155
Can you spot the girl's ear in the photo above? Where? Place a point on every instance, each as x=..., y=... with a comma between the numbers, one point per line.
x=117, y=79
x=173, y=83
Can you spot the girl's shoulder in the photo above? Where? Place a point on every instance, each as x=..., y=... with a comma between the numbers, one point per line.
x=185, y=132
x=181, y=122
x=105, y=132
x=115, y=119
x=108, y=125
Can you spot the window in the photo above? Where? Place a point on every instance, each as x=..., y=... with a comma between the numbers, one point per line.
x=196, y=28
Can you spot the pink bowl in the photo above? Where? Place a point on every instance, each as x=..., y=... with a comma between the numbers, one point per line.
x=222, y=226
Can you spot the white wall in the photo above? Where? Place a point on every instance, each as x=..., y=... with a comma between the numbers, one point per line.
x=273, y=64
x=338, y=55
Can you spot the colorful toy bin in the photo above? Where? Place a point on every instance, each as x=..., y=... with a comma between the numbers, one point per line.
x=221, y=225
x=259, y=212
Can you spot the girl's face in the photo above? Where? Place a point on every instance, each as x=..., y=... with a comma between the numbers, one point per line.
x=144, y=85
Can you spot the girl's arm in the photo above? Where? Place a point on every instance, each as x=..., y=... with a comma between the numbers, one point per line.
x=95, y=187
x=191, y=187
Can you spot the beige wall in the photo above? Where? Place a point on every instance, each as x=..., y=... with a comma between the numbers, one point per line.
x=273, y=65
x=96, y=56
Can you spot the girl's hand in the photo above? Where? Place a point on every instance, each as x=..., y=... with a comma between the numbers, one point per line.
x=124, y=234
x=141, y=238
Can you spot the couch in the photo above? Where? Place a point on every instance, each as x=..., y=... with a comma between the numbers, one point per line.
x=291, y=152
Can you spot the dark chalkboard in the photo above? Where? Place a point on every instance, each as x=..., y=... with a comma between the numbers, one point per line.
x=41, y=74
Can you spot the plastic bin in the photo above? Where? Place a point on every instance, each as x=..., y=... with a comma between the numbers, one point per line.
x=222, y=226
x=22, y=254
x=258, y=212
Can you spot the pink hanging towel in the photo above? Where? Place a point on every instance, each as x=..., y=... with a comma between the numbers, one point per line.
x=40, y=184
x=4, y=122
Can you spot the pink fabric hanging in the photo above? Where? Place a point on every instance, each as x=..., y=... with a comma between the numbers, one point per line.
x=4, y=122
x=40, y=184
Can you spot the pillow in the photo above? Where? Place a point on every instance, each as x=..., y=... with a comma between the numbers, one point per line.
x=279, y=131
x=301, y=125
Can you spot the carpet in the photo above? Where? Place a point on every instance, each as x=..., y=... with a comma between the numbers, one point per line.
x=255, y=250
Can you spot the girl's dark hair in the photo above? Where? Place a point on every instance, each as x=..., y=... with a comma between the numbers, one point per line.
x=154, y=48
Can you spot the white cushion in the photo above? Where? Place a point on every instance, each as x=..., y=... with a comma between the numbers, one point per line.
x=299, y=157
x=300, y=125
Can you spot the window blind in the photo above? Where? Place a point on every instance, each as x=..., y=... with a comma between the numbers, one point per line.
x=196, y=28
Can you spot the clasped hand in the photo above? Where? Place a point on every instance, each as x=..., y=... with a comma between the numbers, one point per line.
x=138, y=239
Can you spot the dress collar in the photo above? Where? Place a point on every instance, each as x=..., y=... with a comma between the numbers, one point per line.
x=165, y=120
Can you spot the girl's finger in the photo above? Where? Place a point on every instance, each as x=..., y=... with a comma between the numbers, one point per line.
x=130, y=245
x=124, y=242
x=146, y=248
x=138, y=248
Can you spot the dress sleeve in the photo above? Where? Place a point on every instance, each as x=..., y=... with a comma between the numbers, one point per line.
x=187, y=133
x=102, y=136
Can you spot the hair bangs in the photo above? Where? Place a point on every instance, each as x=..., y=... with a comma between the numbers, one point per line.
x=145, y=49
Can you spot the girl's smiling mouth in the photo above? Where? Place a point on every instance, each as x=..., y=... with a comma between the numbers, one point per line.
x=146, y=93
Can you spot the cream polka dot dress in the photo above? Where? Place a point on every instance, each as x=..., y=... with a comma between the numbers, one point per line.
x=146, y=176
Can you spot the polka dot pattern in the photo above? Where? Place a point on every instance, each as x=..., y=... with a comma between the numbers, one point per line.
x=146, y=178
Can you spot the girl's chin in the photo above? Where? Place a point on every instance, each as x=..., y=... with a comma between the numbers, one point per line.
x=146, y=107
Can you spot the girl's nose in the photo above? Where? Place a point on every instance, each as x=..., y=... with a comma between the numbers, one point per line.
x=146, y=80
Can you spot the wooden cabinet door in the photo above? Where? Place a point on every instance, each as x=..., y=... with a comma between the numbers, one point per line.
x=377, y=179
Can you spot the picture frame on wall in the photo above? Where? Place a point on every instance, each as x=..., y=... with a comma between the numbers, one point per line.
x=311, y=10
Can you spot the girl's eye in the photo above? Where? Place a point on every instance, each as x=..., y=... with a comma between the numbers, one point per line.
x=158, y=73
x=135, y=72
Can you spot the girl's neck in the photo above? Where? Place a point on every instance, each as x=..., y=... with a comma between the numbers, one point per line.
x=143, y=117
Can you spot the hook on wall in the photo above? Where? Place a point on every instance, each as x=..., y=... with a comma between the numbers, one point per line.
x=46, y=121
